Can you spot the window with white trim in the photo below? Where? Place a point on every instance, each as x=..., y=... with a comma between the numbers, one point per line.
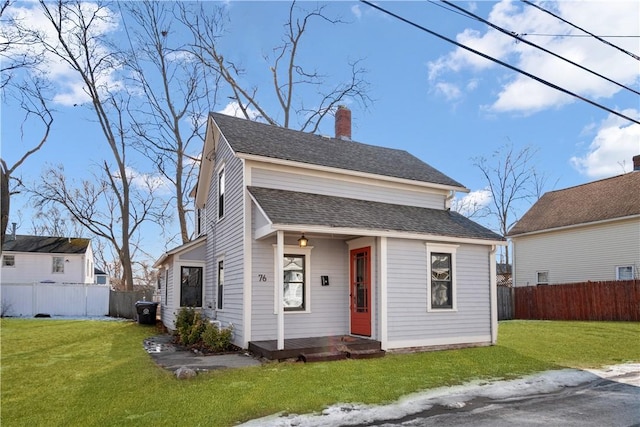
x=221, y=190
x=190, y=286
x=441, y=277
x=57, y=265
x=8, y=260
x=220, y=293
x=624, y=272
x=296, y=279
x=542, y=277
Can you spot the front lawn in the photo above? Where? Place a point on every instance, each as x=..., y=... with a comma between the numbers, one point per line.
x=92, y=373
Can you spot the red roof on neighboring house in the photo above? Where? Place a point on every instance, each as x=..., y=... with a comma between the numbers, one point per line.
x=606, y=199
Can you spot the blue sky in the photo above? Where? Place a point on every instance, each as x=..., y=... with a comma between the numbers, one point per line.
x=442, y=105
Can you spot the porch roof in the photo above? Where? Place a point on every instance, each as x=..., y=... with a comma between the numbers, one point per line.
x=305, y=209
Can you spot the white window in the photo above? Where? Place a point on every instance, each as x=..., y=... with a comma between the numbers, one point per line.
x=542, y=277
x=221, y=190
x=8, y=260
x=220, y=293
x=296, y=279
x=624, y=272
x=58, y=264
x=441, y=277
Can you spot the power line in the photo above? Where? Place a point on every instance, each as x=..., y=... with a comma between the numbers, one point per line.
x=504, y=64
x=633, y=55
x=578, y=35
x=519, y=38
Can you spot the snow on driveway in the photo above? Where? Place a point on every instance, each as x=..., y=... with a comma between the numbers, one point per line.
x=452, y=397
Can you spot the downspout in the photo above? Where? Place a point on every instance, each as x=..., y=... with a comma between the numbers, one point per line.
x=493, y=288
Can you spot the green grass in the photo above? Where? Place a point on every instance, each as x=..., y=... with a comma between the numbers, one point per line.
x=90, y=373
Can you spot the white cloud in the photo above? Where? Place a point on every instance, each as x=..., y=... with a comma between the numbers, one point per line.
x=146, y=182
x=472, y=204
x=612, y=148
x=520, y=93
x=233, y=109
x=449, y=90
x=357, y=12
x=69, y=87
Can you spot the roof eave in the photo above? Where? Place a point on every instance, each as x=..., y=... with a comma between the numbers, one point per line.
x=572, y=226
x=347, y=231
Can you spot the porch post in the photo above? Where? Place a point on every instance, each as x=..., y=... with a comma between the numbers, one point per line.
x=279, y=283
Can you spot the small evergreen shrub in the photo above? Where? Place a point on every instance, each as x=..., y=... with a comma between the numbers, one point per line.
x=216, y=339
x=190, y=324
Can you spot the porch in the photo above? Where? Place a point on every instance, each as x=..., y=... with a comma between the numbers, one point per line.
x=316, y=349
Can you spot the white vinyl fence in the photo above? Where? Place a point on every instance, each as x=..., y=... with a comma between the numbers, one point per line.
x=55, y=299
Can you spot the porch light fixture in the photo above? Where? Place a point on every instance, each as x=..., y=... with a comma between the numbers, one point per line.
x=302, y=241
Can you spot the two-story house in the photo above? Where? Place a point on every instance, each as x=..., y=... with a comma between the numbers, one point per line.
x=302, y=236
x=590, y=232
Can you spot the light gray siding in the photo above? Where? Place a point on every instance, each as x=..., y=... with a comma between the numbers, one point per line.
x=372, y=191
x=168, y=309
x=578, y=254
x=409, y=322
x=225, y=239
x=329, y=311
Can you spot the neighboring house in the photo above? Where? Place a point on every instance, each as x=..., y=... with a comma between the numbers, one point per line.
x=40, y=259
x=590, y=232
x=309, y=236
x=100, y=277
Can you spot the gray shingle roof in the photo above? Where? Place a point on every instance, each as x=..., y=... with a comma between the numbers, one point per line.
x=295, y=208
x=601, y=200
x=42, y=244
x=261, y=139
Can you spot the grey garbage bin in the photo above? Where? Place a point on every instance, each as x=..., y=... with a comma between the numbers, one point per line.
x=146, y=312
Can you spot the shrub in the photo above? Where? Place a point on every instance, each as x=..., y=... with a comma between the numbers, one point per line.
x=190, y=324
x=216, y=339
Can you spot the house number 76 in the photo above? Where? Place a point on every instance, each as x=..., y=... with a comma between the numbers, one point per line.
x=262, y=277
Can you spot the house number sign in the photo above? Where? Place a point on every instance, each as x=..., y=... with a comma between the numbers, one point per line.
x=262, y=277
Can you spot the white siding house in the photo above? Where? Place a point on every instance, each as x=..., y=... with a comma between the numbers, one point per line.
x=308, y=236
x=36, y=259
x=590, y=232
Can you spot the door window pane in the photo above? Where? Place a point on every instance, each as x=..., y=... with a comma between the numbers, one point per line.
x=294, y=282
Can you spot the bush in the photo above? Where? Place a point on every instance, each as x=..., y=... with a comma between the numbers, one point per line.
x=195, y=331
x=190, y=324
x=216, y=339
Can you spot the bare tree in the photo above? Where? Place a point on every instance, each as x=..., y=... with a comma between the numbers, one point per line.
x=31, y=98
x=96, y=205
x=287, y=72
x=511, y=178
x=82, y=46
x=177, y=93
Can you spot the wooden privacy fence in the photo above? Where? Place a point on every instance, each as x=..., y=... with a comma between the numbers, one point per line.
x=615, y=300
x=505, y=303
x=55, y=299
x=123, y=304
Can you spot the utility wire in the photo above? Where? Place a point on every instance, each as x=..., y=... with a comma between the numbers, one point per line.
x=504, y=64
x=633, y=55
x=519, y=38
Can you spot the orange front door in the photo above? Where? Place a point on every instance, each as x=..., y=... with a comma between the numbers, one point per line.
x=360, y=291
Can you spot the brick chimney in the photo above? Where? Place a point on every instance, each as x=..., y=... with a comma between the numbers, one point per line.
x=343, y=123
x=636, y=163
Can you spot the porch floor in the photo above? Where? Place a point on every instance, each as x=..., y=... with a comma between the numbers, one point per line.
x=318, y=348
